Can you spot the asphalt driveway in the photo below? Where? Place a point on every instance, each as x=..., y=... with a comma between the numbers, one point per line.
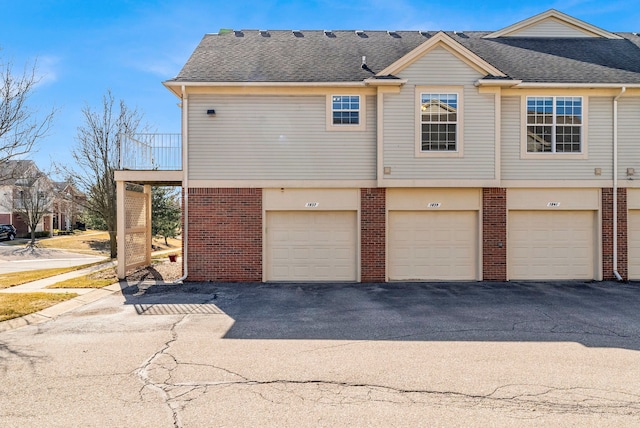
x=460, y=354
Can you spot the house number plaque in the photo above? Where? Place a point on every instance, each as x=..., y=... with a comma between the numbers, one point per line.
x=434, y=204
x=312, y=205
x=553, y=204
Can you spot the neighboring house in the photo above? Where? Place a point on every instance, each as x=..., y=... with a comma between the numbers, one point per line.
x=21, y=173
x=409, y=155
x=67, y=205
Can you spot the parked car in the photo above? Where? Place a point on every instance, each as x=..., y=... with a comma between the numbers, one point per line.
x=7, y=231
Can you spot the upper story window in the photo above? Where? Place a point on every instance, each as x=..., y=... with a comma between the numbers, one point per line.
x=345, y=109
x=345, y=112
x=554, y=125
x=439, y=121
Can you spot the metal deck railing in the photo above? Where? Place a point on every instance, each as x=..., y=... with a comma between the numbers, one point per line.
x=150, y=152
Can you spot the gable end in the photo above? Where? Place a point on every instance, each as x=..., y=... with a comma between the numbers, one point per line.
x=552, y=23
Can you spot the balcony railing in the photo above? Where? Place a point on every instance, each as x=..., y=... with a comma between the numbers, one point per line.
x=151, y=152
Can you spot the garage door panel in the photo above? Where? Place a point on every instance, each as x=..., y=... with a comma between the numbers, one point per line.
x=433, y=245
x=311, y=246
x=551, y=245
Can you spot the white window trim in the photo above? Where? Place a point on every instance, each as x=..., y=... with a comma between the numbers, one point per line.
x=362, y=113
x=524, y=154
x=459, y=91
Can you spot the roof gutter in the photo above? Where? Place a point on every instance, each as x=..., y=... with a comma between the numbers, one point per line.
x=185, y=187
x=615, y=183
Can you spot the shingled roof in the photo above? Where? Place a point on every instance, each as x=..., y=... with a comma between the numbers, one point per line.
x=336, y=56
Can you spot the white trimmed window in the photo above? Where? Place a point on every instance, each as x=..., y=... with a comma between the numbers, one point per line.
x=554, y=125
x=345, y=109
x=345, y=112
x=439, y=121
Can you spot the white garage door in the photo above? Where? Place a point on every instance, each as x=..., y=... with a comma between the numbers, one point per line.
x=311, y=246
x=634, y=244
x=551, y=245
x=433, y=245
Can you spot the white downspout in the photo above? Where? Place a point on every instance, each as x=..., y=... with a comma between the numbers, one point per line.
x=615, y=184
x=185, y=186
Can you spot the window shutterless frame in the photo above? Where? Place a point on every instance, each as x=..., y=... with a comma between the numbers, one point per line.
x=439, y=121
x=346, y=112
x=553, y=127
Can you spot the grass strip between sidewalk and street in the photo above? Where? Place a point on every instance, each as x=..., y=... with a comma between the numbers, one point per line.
x=98, y=279
x=16, y=278
x=20, y=304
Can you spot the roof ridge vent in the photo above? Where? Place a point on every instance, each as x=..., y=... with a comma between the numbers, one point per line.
x=394, y=34
x=361, y=34
x=297, y=33
x=636, y=34
x=238, y=33
x=461, y=34
x=264, y=33
x=330, y=34
x=424, y=34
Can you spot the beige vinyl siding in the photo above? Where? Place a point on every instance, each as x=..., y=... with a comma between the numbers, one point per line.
x=628, y=136
x=599, y=132
x=439, y=67
x=550, y=28
x=275, y=137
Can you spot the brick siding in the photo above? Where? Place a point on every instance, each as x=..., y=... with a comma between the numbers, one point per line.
x=607, y=234
x=494, y=234
x=372, y=234
x=225, y=235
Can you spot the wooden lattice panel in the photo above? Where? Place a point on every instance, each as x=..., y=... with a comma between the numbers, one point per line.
x=135, y=229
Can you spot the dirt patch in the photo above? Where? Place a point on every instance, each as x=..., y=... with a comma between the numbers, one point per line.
x=162, y=271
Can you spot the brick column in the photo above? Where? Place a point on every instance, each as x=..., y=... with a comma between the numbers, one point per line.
x=225, y=235
x=494, y=234
x=372, y=234
x=607, y=234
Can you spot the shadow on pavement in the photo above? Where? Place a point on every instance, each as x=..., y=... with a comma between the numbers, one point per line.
x=595, y=314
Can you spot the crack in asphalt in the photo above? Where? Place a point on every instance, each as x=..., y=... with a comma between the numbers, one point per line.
x=164, y=388
x=523, y=401
x=535, y=400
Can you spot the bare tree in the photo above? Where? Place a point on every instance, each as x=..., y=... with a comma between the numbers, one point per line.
x=32, y=199
x=20, y=128
x=96, y=157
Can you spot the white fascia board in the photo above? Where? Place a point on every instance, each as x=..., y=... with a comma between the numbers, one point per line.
x=385, y=82
x=498, y=82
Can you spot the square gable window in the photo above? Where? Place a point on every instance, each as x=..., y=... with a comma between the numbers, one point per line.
x=344, y=113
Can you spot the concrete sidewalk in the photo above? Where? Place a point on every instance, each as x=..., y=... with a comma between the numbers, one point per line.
x=41, y=284
x=85, y=295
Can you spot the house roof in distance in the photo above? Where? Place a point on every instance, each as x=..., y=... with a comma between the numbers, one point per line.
x=336, y=56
